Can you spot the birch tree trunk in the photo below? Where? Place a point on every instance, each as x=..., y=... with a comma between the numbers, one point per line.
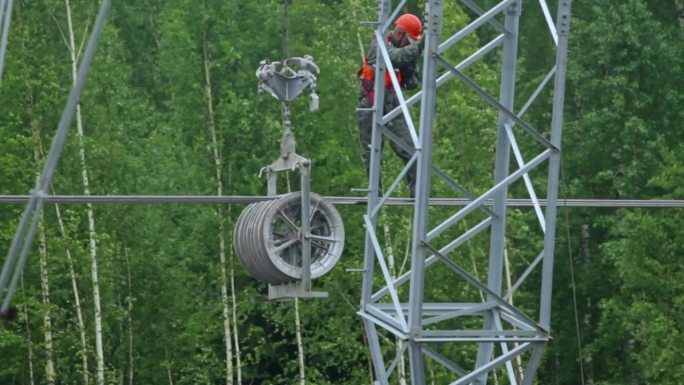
x=91, y=217
x=517, y=362
x=586, y=356
x=219, y=191
x=168, y=365
x=391, y=265
x=44, y=276
x=77, y=301
x=129, y=302
x=50, y=374
x=236, y=340
x=77, y=298
x=28, y=338
x=300, y=344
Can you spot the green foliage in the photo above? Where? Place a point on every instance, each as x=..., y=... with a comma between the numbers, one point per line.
x=146, y=124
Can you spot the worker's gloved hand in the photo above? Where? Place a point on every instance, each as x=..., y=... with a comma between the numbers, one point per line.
x=399, y=39
x=417, y=42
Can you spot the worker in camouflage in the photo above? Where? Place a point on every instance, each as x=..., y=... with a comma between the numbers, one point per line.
x=404, y=47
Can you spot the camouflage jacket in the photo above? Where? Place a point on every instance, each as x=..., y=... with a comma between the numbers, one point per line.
x=405, y=59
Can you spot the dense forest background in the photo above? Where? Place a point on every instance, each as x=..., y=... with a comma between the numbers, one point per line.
x=152, y=294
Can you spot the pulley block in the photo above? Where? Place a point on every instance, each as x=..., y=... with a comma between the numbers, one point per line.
x=268, y=238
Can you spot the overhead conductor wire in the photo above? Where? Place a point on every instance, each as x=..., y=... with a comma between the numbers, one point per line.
x=339, y=200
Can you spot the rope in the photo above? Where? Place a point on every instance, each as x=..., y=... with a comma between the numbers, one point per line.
x=573, y=286
x=287, y=122
x=286, y=27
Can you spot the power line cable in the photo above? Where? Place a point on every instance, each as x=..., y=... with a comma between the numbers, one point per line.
x=341, y=200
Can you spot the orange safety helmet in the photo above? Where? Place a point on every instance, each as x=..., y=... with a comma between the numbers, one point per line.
x=410, y=24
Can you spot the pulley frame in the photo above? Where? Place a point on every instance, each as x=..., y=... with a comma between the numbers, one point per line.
x=285, y=83
x=286, y=163
x=268, y=238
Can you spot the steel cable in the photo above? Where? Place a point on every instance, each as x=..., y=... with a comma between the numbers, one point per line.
x=337, y=200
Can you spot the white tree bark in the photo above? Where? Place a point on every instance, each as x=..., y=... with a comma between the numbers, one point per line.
x=50, y=375
x=391, y=265
x=77, y=298
x=70, y=262
x=129, y=302
x=236, y=340
x=91, y=216
x=81, y=325
x=300, y=344
x=227, y=337
x=517, y=362
x=168, y=365
x=29, y=339
x=585, y=356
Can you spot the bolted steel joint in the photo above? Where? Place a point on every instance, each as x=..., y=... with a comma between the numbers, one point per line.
x=434, y=13
x=515, y=8
x=563, y=26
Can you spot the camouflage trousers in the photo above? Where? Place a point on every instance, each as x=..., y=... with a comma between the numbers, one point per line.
x=397, y=126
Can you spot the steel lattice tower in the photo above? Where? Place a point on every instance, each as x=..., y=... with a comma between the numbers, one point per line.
x=503, y=333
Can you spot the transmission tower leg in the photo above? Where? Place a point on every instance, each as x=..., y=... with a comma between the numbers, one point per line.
x=504, y=336
x=434, y=14
x=5, y=18
x=563, y=28
x=501, y=171
x=376, y=353
x=370, y=220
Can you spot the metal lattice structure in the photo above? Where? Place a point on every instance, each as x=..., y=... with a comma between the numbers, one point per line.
x=5, y=18
x=505, y=333
x=501, y=333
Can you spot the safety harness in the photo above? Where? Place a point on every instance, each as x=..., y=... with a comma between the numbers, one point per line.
x=367, y=76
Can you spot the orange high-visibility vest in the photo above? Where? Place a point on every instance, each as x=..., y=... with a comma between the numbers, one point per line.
x=367, y=74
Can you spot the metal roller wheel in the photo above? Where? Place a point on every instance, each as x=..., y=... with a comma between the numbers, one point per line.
x=268, y=239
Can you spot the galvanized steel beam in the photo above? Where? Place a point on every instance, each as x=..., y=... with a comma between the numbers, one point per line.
x=513, y=331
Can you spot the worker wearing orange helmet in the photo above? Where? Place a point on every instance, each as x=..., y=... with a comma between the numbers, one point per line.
x=404, y=47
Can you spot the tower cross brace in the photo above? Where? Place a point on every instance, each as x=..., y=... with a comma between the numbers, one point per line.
x=505, y=336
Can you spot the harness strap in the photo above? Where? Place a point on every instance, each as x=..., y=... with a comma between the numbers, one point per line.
x=367, y=76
